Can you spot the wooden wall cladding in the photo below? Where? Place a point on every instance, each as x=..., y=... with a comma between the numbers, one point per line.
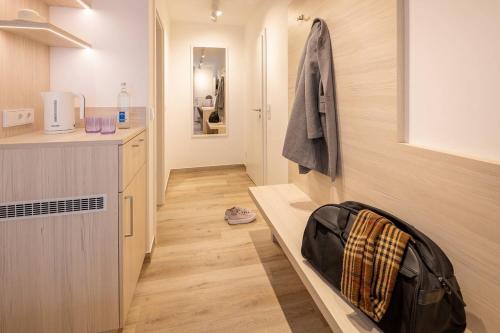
x=454, y=200
x=24, y=68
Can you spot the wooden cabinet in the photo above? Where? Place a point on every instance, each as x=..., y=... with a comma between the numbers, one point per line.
x=59, y=273
x=76, y=271
x=133, y=233
x=132, y=158
x=132, y=186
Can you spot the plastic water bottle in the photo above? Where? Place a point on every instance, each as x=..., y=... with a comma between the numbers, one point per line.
x=123, y=107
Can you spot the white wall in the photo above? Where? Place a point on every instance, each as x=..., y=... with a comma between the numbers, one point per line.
x=274, y=18
x=184, y=151
x=454, y=76
x=203, y=82
x=118, y=32
x=121, y=33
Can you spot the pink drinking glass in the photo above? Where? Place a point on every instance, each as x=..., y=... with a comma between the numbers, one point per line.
x=92, y=124
x=108, y=125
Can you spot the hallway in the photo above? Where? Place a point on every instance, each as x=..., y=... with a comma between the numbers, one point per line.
x=206, y=276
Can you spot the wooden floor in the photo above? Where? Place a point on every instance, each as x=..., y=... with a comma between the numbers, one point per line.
x=207, y=276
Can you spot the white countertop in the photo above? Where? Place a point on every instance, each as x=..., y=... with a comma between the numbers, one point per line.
x=79, y=136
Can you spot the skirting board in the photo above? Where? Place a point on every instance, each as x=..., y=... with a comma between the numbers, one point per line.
x=209, y=168
x=149, y=255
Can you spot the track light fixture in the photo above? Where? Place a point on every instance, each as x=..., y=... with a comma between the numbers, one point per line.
x=216, y=11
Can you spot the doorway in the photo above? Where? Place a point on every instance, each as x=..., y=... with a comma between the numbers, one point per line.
x=256, y=162
x=160, y=111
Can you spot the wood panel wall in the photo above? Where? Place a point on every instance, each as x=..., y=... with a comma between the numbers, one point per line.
x=455, y=200
x=24, y=68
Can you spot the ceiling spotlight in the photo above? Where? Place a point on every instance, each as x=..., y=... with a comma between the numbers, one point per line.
x=215, y=15
x=216, y=11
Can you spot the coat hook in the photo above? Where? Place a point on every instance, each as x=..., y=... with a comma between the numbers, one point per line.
x=302, y=18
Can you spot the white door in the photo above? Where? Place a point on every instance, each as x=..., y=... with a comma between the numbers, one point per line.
x=256, y=120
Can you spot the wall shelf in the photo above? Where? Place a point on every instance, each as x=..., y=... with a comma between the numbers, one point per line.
x=44, y=33
x=86, y=4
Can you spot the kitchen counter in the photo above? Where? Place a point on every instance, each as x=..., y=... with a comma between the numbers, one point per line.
x=79, y=136
x=75, y=216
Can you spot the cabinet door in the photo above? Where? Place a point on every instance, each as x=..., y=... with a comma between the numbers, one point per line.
x=133, y=236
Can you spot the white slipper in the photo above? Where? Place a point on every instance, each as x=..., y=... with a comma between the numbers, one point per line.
x=238, y=215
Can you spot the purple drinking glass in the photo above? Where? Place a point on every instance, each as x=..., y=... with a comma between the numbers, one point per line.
x=92, y=124
x=108, y=125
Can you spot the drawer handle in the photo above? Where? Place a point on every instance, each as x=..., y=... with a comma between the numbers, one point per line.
x=131, y=199
x=141, y=140
x=136, y=146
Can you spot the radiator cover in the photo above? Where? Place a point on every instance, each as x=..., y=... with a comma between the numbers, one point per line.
x=53, y=207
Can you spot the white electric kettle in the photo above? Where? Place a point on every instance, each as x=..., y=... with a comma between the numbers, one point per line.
x=59, y=111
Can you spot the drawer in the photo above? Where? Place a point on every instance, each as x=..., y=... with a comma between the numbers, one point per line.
x=132, y=158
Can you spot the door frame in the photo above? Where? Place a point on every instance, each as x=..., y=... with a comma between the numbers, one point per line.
x=160, y=109
x=265, y=106
x=262, y=37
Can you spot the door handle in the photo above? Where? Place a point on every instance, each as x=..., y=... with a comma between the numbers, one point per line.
x=55, y=111
x=131, y=199
x=257, y=110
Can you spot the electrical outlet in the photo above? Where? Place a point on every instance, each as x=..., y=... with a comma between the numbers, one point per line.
x=18, y=117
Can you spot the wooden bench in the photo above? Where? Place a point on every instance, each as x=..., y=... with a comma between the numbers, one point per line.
x=219, y=128
x=286, y=210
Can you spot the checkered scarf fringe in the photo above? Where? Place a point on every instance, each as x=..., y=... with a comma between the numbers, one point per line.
x=372, y=257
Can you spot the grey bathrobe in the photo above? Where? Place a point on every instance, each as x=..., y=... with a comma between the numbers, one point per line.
x=312, y=137
x=220, y=102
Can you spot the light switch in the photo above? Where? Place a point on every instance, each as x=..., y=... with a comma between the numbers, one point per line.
x=18, y=117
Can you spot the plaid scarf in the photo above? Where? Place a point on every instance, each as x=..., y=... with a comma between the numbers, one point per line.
x=372, y=257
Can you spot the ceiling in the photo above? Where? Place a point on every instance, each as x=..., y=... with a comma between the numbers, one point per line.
x=235, y=12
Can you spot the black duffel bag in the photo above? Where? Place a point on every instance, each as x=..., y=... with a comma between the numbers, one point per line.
x=426, y=297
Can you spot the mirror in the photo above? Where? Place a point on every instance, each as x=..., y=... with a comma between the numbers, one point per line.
x=209, y=91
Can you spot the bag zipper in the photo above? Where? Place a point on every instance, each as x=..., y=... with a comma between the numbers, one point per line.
x=447, y=286
x=413, y=314
x=329, y=226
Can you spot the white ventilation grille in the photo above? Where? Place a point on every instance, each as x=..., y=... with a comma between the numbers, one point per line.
x=52, y=207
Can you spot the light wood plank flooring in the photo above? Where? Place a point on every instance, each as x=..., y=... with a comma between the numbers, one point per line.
x=207, y=276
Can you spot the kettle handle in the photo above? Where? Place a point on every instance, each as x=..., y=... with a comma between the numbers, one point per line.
x=82, y=105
